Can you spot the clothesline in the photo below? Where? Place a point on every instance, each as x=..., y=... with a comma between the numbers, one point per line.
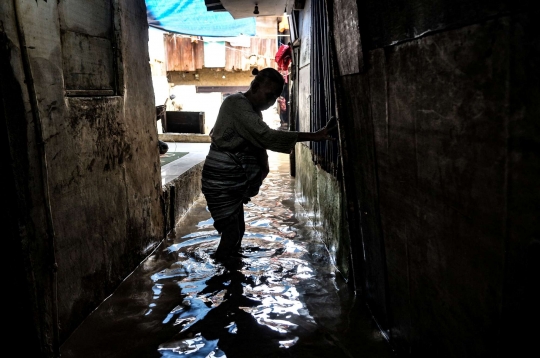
x=235, y=48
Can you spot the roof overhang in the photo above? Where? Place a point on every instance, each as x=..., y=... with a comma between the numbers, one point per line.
x=240, y=9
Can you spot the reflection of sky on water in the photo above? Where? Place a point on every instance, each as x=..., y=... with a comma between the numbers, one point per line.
x=263, y=286
x=281, y=300
x=194, y=347
x=206, y=223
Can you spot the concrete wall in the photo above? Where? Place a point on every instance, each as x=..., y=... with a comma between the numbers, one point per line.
x=26, y=217
x=179, y=194
x=438, y=107
x=320, y=194
x=87, y=169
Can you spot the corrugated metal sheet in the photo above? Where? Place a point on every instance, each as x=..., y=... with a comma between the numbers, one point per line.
x=266, y=50
x=186, y=54
x=183, y=53
x=236, y=58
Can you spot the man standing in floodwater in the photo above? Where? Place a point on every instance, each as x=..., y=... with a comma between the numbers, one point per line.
x=237, y=162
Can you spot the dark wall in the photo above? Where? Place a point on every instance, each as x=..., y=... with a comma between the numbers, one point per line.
x=522, y=228
x=82, y=170
x=28, y=260
x=443, y=141
x=11, y=106
x=387, y=22
x=441, y=153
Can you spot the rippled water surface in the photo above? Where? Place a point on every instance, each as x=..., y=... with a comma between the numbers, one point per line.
x=284, y=299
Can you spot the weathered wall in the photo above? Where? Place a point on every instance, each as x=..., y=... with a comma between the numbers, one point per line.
x=28, y=260
x=120, y=176
x=98, y=177
x=320, y=194
x=179, y=194
x=444, y=145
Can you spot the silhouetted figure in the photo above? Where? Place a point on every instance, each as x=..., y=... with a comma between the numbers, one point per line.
x=237, y=162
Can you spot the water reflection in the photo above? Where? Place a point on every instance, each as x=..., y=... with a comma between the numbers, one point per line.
x=282, y=300
x=249, y=305
x=255, y=299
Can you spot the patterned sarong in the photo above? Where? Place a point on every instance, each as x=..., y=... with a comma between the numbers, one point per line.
x=230, y=179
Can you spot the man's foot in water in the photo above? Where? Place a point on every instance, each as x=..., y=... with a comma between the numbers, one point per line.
x=227, y=256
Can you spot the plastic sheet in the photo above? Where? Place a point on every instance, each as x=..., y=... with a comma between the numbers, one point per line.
x=190, y=17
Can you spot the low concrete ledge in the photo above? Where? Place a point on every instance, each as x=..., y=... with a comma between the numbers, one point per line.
x=179, y=194
x=184, y=137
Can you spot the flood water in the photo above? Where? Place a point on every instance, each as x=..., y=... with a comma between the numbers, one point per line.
x=285, y=299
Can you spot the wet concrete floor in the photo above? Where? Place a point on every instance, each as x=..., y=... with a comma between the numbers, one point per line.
x=285, y=299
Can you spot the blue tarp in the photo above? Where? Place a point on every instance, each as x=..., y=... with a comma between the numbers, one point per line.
x=190, y=17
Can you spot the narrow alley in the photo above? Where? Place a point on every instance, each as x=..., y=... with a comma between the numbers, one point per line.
x=410, y=230
x=285, y=299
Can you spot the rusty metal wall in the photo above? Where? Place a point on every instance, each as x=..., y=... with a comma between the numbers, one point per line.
x=183, y=53
x=187, y=54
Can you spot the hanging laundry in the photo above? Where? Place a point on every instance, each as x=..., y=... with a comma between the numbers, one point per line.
x=283, y=60
x=283, y=57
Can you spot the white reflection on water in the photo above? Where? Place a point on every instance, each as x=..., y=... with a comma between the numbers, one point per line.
x=259, y=297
